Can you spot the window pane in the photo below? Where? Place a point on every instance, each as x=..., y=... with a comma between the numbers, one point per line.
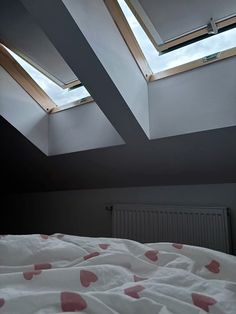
x=160, y=62
x=59, y=95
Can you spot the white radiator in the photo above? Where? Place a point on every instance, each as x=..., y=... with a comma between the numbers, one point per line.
x=202, y=226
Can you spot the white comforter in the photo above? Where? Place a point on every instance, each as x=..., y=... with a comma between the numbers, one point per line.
x=62, y=273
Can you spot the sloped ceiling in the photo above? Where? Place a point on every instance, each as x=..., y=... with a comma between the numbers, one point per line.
x=194, y=158
x=205, y=157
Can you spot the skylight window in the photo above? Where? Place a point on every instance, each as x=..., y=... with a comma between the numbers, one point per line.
x=161, y=62
x=59, y=95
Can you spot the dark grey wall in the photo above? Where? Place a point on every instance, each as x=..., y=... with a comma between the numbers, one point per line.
x=198, y=158
x=82, y=212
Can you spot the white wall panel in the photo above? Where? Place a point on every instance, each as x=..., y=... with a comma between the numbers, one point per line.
x=197, y=100
x=19, y=109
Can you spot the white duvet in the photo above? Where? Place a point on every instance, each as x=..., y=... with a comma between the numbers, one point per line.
x=62, y=273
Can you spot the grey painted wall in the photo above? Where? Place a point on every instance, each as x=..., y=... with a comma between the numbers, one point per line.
x=197, y=100
x=82, y=212
x=80, y=128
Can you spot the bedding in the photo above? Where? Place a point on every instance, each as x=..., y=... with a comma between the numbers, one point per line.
x=64, y=273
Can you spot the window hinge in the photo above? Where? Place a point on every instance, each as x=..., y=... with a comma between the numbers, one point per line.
x=212, y=27
x=212, y=57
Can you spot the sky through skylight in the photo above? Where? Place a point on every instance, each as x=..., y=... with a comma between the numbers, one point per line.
x=191, y=52
x=59, y=95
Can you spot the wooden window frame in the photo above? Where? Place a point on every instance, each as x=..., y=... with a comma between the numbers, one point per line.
x=127, y=33
x=194, y=64
x=40, y=69
x=132, y=43
x=196, y=34
x=37, y=93
x=190, y=36
x=24, y=80
x=82, y=101
x=18, y=73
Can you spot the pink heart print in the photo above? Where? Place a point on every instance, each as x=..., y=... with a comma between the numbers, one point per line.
x=203, y=301
x=87, y=277
x=93, y=254
x=2, y=302
x=137, y=278
x=28, y=275
x=42, y=266
x=177, y=245
x=44, y=236
x=213, y=266
x=134, y=291
x=152, y=255
x=72, y=302
x=104, y=246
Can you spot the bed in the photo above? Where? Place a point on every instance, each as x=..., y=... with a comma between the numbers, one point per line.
x=64, y=273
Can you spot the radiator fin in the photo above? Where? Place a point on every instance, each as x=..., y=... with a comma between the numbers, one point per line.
x=204, y=226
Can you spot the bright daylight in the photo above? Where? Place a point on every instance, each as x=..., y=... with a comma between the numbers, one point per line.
x=200, y=49
x=59, y=95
